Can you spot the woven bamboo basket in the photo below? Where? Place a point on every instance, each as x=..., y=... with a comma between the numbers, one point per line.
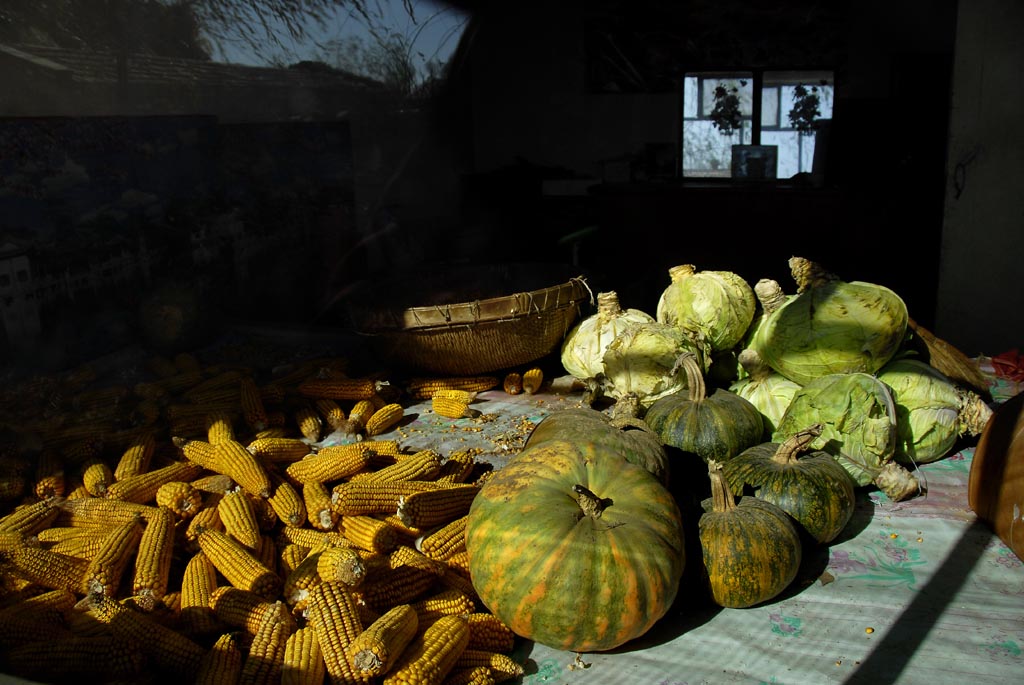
x=470, y=320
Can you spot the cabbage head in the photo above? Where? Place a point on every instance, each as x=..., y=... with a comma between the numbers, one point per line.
x=833, y=327
x=766, y=389
x=584, y=347
x=718, y=305
x=858, y=418
x=927, y=410
x=645, y=360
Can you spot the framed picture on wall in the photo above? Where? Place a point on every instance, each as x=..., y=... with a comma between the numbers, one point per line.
x=755, y=162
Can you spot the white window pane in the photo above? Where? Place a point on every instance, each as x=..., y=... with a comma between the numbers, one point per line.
x=825, y=94
x=807, y=153
x=690, y=99
x=770, y=107
x=743, y=83
x=789, y=151
x=706, y=152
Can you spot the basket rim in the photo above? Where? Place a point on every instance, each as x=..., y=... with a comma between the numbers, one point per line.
x=489, y=310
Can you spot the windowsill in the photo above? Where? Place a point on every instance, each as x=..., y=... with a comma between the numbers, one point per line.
x=723, y=184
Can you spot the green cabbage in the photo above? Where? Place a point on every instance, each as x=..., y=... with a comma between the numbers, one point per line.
x=768, y=390
x=645, y=360
x=858, y=417
x=584, y=347
x=833, y=327
x=716, y=306
x=927, y=410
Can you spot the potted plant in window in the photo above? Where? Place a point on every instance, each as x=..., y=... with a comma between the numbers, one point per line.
x=726, y=113
x=805, y=108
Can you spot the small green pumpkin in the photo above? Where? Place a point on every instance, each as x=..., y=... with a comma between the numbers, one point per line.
x=752, y=551
x=631, y=438
x=574, y=547
x=808, y=485
x=718, y=426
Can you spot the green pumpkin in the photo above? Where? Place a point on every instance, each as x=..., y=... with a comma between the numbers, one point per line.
x=809, y=485
x=718, y=426
x=629, y=438
x=752, y=551
x=574, y=547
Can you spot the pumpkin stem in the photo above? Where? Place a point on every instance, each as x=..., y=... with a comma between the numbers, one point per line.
x=797, y=443
x=590, y=504
x=694, y=378
x=721, y=497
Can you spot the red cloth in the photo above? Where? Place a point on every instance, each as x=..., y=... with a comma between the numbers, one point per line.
x=1009, y=365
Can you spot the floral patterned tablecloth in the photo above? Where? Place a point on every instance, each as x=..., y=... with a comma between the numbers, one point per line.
x=917, y=591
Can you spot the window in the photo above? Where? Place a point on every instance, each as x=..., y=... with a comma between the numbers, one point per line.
x=711, y=126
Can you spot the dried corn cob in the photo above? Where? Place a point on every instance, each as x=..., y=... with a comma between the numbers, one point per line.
x=424, y=388
x=197, y=585
x=279, y=449
x=219, y=426
x=452, y=408
x=459, y=563
x=216, y=483
x=339, y=563
x=86, y=544
x=222, y=664
x=359, y=415
x=386, y=587
x=384, y=419
x=96, y=476
x=289, y=557
x=331, y=412
x=446, y=540
x=237, y=564
x=142, y=488
x=533, y=378
x=317, y=500
x=309, y=422
x=240, y=608
x=45, y=568
x=253, y=411
x=182, y=498
x=466, y=396
x=244, y=468
x=303, y=660
x=358, y=497
x=424, y=465
x=99, y=511
x=375, y=650
x=265, y=657
x=153, y=559
x=330, y=463
x=448, y=602
x=490, y=633
x=368, y=533
x=238, y=515
x=340, y=389
x=103, y=574
x=100, y=658
x=49, y=478
x=333, y=615
x=432, y=654
x=207, y=517
x=287, y=503
x=301, y=581
x=479, y=675
x=502, y=666
x=30, y=519
x=513, y=383
x=311, y=539
x=432, y=508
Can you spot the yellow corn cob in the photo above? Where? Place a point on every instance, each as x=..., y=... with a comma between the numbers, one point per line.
x=165, y=648
x=513, y=383
x=45, y=568
x=266, y=517
x=466, y=396
x=29, y=519
x=238, y=566
x=452, y=408
x=340, y=388
x=266, y=552
x=479, y=675
x=181, y=497
x=533, y=378
x=386, y=587
x=368, y=533
x=36, y=618
x=338, y=563
x=358, y=497
x=279, y=449
x=287, y=503
x=490, y=633
x=317, y=500
x=241, y=608
x=142, y=488
x=289, y=557
x=99, y=658
x=384, y=419
x=432, y=654
x=238, y=515
x=99, y=511
x=86, y=544
x=502, y=666
x=216, y=483
x=448, y=602
x=404, y=555
x=309, y=538
x=375, y=650
x=223, y=663
x=332, y=613
x=424, y=465
x=265, y=658
x=330, y=463
x=446, y=540
x=207, y=517
x=457, y=467
x=309, y=422
x=303, y=660
x=49, y=479
x=197, y=585
x=459, y=562
x=103, y=574
x=301, y=581
x=424, y=388
x=435, y=507
x=153, y=559
x=253, y=411
x=331, y=412
x=78, y=492
x=96, y=476
x=219, y=426
x=358, y=416
x=276, y=429
x=459, y=582
x=225, y=379
x=243, y=467
x=406, y=535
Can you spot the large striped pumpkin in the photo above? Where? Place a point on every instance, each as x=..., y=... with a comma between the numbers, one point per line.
x=574, y=547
